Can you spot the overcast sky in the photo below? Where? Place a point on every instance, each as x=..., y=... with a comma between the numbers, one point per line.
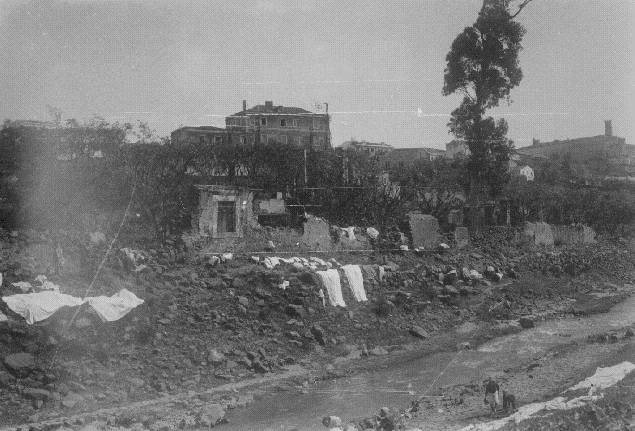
x=378, y=63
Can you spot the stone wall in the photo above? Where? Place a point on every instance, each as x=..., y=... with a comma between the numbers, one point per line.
x=548, y=235
x=424, y=229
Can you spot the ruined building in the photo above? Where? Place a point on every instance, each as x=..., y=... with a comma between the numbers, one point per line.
x=264, y=124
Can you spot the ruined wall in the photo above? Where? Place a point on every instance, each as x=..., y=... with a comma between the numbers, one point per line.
x=424, y=229
x=548, y=235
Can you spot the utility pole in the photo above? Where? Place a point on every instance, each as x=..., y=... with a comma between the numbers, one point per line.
x=305, y=176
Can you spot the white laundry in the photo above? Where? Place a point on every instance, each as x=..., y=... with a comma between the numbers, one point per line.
x=111, y=308
x=355, y=281
x=331, y=281
x=35, y=307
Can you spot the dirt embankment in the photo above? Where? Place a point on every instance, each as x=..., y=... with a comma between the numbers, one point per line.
x=207, y=323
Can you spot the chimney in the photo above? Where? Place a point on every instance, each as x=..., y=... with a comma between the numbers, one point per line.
x=244, y=105
x=608, y=128
x=268, y=104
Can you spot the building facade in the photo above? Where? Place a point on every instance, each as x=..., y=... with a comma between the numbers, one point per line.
x=264, y=124
x=607, y=146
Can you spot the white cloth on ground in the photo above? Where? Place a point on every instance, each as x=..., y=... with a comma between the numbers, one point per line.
x=35, y=307
x=355, y=281
x=331, y=281
x=111, y=308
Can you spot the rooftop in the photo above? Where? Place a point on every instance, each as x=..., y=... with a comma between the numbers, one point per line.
x=270, y=108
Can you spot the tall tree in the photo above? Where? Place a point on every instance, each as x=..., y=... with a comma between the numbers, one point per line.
x=483, y=67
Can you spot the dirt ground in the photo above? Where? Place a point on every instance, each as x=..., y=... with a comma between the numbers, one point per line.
x=213, y=333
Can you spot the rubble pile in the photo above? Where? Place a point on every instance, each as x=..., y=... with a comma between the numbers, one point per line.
x=212, y=319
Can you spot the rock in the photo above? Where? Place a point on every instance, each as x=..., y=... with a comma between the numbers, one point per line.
x=318, y=334
x=215, y=357
x=97, y=237
x=295, y=310
x=6, y=379
x=450, y=277
x=378, y=351
x=239, y=283
x=419, y=332
x=36, y=394
x=212, y=415
x=372, y=233
x=332, y=421
x=21, y=364
x=259, y=367
x=451, y=290
x=71, y=400
x=424, y=229
x=244, y=301
x=461, y=237
x=526, y=322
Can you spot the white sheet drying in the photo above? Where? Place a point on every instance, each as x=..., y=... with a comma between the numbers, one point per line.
x=35, y=307
x=331, y=281
x=355, y=281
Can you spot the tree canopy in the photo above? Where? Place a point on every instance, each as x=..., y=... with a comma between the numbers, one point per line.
x=483, y=67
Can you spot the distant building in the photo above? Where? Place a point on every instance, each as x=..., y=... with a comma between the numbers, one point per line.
x=580, y=150
x=456, y=148
x=374, y=148
x=264, y=124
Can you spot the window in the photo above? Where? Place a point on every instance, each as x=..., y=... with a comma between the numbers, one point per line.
x=263, y=121
x=243, y=140
x=218, y=139
x=226, y=221
x=283, y=139
x=283, y=122
x=201, y=139
x=294, y=123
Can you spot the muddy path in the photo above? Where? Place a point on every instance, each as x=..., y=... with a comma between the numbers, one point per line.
x=532, y=364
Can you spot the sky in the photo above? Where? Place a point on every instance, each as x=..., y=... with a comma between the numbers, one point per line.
x=378, y=64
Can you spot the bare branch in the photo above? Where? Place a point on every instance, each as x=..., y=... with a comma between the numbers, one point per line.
x=520, y=8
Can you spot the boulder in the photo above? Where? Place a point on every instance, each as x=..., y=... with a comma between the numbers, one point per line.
x=378, y=351
x=319, y=334
x=295, y=310
x=332, y=422
x=71, y=400
x=418, y=332
x=20, y=363
x=36, y=394
x=215, y=357
x=526, y=322
x=212, y=415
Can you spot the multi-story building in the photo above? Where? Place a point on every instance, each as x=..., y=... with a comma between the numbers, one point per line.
x=607, y=146
x=265, y=124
